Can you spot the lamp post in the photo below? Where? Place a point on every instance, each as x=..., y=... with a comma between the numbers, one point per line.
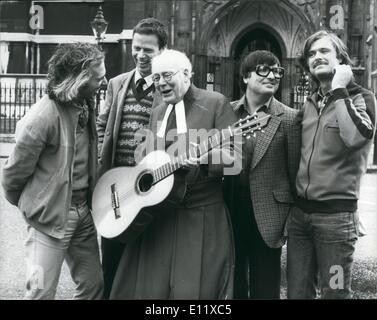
x=99, y=26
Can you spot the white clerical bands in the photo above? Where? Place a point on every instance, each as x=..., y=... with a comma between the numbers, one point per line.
x=180, y=118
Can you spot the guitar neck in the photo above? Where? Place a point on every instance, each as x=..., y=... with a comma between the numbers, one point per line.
x=245, y=127
x=193, y=152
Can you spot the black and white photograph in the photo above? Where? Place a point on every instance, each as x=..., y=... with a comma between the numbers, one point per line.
x=188, y=150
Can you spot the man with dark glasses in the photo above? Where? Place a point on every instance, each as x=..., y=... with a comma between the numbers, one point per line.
x=262, y=195
x=263, y=71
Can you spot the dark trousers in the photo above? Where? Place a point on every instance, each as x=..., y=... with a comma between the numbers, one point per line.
x=257, y=269
x=111, y=253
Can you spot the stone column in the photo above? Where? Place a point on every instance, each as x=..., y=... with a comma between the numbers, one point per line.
x=200, y=71
x=163, y=12
x=183, y=25
x=374, y=41
x=38, y=53
x=369, y=34
x=32, y=58
x=133, y=11
x=27, y=58
x=125, y=44
x=289, y=81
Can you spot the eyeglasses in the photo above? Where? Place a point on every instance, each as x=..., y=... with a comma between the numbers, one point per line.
x=263, y=71
x=167, y=76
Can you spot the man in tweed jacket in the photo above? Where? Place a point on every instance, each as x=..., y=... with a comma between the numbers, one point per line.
x=260, y=198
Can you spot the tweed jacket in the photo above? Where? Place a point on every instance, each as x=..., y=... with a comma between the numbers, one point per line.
x=109, y=120
x=272, y=174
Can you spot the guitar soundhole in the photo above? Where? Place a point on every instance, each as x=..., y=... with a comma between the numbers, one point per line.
x=145, y=182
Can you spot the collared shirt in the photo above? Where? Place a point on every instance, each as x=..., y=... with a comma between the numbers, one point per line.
x=242, y=111
x=243, y=104
x=148, y=79
x=321, y=99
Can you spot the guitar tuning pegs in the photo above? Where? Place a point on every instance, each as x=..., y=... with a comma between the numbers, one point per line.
x=262, y=131
x=254, y=134
x=248, y=137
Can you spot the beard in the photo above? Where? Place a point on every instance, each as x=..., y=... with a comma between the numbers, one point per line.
x=87, y=92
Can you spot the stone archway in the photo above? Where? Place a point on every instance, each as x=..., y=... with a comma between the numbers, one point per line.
x=282, y=19
x=257, y=37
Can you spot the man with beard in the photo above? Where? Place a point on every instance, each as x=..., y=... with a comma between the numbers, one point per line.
x=52, y=171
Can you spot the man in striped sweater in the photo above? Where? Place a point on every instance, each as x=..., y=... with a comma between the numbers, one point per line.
x=130, y=99
x=337, y=132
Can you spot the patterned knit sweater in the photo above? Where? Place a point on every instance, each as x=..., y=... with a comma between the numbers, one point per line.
x=135, y=116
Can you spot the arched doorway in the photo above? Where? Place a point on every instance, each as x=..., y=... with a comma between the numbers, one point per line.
x=254, y=39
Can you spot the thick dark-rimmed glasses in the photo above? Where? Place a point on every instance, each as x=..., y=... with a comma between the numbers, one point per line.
x=167, y=76
x=263, y=71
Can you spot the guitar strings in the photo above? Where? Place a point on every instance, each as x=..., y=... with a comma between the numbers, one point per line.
x=125, y=194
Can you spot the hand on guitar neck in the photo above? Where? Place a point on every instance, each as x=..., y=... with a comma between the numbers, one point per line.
x=122, y=192
x=194, y=162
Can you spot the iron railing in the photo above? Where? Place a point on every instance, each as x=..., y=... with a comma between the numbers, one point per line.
x=17, y=97
x=297, y=98
x=300, y=92
x=15, y=101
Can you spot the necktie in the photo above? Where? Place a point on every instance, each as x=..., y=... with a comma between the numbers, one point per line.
x=139, y=86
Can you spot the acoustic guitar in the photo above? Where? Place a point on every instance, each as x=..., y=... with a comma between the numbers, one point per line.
x=121, y=193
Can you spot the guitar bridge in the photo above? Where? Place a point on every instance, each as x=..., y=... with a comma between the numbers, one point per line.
x=115, y=201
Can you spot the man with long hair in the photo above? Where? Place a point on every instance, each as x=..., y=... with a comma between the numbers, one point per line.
x=337, y=132
x=130, y=98
x=51, y=174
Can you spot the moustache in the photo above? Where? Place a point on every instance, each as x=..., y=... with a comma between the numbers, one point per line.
x=318, y=63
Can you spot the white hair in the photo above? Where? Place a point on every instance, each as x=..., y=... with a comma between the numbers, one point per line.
x=175, y=58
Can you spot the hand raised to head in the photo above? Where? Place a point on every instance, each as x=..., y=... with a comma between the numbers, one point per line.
x=342, y=77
